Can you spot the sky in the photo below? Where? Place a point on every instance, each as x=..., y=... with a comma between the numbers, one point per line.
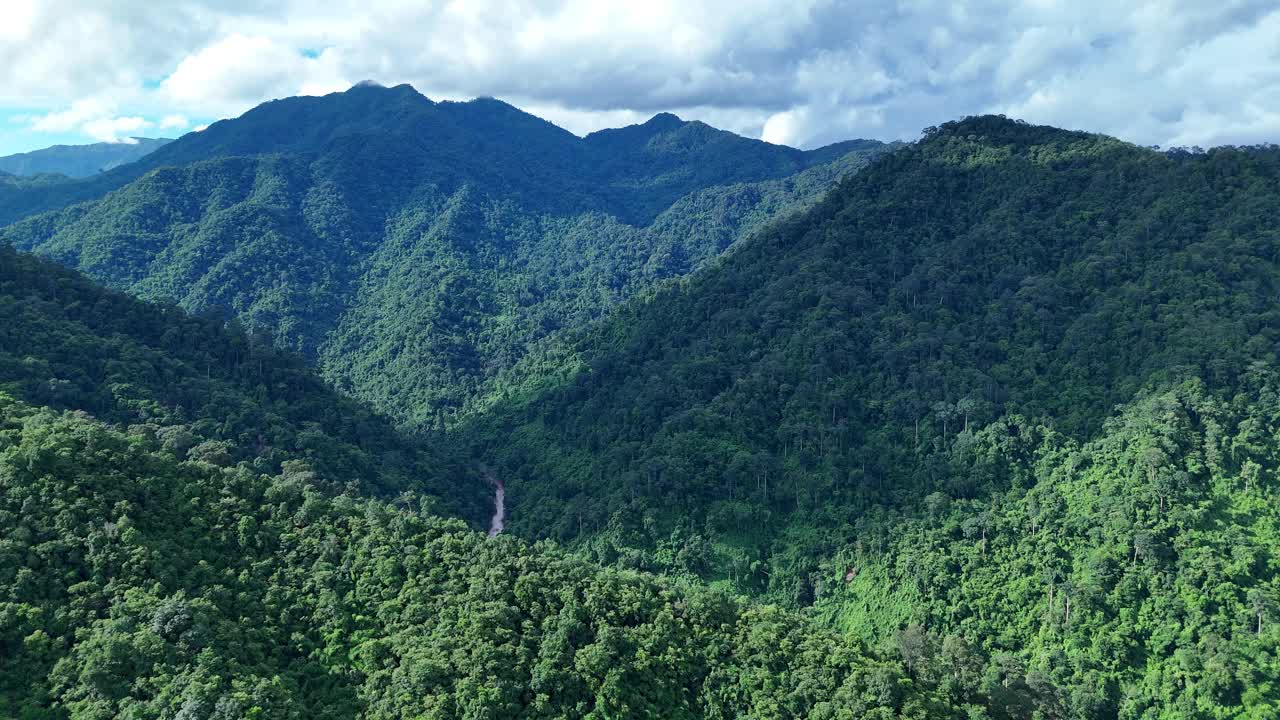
x=796, y=72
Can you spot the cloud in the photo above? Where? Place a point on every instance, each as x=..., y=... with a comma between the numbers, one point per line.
x=80, y=112
x=174, y=122
x=95, y=118
x=116, y=129
x=802, y=72
x=55, y=51
x=240, y=71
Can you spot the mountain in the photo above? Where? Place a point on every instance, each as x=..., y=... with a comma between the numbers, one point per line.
x=204, y=389
x=1003, y=371
x=1134, y=573
x=18, y=184
x=482, y=141
x=77, y=161
x=415, y=250
x=196, y=527
x=982, y=426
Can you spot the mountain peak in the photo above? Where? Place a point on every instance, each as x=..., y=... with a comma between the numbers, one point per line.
x=664, y=121
x=488, y=101
x=1002, y=129
x=375, y=88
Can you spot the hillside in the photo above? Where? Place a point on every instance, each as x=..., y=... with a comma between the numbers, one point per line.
x=144, y=586
x=77, y=161
x=204, y=390
x=1136, y=571
x=195, y=527
x=992, y=269
x=415, y=250
x=886, y=391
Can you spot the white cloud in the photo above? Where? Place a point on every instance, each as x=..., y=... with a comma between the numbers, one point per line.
x=19, y=17
x=240, y=71
x=95, y=118
x=115, y=129
x=796, y=71
x=57, y=51
x=175, y=122
x=80, y=112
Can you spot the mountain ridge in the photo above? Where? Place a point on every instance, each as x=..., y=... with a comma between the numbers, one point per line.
x=312, y=123
x=1010, y=385
x=474, y=225
x=76, y=161
x=993, y=415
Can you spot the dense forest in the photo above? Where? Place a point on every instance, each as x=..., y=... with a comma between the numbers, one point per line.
x=982, y=426
x=1134, y=574
x=416, y=249
x=195, y=539
x=866, y=393
x=204, y=389
x=992, y=269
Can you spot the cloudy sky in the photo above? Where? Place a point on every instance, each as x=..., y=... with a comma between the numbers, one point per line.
x=800, y=72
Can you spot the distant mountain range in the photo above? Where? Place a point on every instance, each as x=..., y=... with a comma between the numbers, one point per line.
x=417, y=249
x=77, y=161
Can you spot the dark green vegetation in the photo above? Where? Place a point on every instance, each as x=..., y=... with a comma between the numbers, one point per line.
x=1132, y=576
x=203, y=391
x=176, y=562
x=929, y=364
x=416, y=249
x=996, y=423
x=16, y=183
x=79, y=160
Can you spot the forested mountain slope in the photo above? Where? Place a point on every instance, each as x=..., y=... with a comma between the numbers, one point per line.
x=993, y=268
x=902, y=405
x=632, y=173
x=1135, y=574
x=417, y=249
x=188, y=532
x=999, y=413
x=136, y=585
x=80, y=160
x=202, y=390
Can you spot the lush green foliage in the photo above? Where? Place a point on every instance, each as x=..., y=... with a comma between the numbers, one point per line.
x=1136, y=574
x=136, y=585
x=79, y=160
x=205, y=391
x=994, y=268
x=924, y=333
x=417, y=249
x=1002, y=408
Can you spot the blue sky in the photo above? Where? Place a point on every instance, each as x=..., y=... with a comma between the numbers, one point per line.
x=15, y=137
x=23, y=130
x=800, y=72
